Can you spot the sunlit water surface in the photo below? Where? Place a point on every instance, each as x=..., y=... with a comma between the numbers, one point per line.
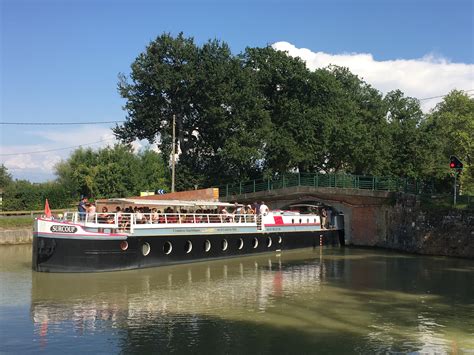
x=337, y=300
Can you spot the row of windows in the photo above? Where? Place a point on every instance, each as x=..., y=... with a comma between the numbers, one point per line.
x=224, y=245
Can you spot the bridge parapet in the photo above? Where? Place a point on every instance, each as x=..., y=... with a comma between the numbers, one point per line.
x=318, y=180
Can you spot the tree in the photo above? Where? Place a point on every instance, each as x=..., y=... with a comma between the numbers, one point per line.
x=212, y=98
x=22, y=195
x=358, y=136
x=450, y=130
x=5, y=177
x=112, y=172
x=283, y=84
x=404, y=116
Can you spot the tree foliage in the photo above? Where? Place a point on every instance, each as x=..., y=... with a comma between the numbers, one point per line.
x=262, y=111
x=113, y=172
x=22, y=195
x=5, y=177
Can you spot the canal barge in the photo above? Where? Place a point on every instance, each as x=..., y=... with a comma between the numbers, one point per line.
x=186, y=231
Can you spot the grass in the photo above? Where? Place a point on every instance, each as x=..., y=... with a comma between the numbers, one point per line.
x=445, y=202
x=16, y=222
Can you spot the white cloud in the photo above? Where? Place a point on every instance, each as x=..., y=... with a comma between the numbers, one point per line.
x=420, y=78
x=36, y=162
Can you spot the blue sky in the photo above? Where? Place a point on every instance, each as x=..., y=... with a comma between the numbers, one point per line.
x=60, y=59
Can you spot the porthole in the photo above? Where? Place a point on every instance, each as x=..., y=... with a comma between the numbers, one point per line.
x=241, y=243
x=224, y=245
x=255, y=243
x=124, y=245
x=269, y=242
x=279, y=240
x=189, y=246
x=167, y=248
x=207, y=246
x=146, y=249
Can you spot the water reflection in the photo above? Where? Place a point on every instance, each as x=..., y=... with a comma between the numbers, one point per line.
x=221, y=288
x=336, y=300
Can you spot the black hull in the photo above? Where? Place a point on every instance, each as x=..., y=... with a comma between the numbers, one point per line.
x=82, y=255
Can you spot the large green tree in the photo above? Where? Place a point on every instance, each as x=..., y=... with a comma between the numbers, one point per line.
x=449, y=129
x=291, y=138
x=211, y=96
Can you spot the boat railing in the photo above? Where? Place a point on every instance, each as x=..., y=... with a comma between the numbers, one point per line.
x=127, y=221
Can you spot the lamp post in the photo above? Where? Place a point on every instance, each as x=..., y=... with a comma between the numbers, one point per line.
x=173, y=154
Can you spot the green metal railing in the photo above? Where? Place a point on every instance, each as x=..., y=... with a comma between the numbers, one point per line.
x=321, y=180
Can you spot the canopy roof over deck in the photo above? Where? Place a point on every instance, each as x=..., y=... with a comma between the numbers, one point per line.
x=170, y=203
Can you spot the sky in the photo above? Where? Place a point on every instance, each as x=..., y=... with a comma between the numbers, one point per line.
x=60, y=59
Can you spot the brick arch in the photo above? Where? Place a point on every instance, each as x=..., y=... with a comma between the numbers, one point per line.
x=364, y=210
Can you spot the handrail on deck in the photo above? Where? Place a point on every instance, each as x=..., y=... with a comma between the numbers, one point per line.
x=127, y=221
x=344, y=181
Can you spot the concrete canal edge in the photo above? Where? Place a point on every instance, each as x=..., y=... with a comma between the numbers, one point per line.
x=16, y=236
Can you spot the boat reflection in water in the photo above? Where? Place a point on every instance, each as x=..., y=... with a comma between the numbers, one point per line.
x=343, y=301
x=225, y=288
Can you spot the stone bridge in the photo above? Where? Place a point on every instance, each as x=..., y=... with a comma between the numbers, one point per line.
x=366, y=212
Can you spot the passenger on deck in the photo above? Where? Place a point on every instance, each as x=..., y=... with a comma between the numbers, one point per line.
x=249, y=214
x=154, y=216
x=81, y=208
x=105, y=217
x=138, y=215
x=324, y=216
x=238, y=213
x=264, y=209
x=91, y=212
x=256, y=208
x=226, y=216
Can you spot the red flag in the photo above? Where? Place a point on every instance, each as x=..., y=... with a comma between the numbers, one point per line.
x=47, y=210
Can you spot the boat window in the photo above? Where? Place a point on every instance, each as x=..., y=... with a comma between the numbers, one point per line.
x=146, y=249
x=207, y=246
x=124, y=245
x=255, y=243
x=300, y=220
x=292, y=221
x=224, y=245
x=167, y=248
x=189, y=246
x=269, y=242
x=241, y=243
x=307, y=221
x=279, y=240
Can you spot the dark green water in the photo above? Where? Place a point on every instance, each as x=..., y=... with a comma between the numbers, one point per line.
x=334, y=301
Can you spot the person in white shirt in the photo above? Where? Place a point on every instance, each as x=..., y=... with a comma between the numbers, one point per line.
x=91, y=212
x=264, y=209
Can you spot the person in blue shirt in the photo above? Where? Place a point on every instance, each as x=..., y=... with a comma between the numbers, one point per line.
x=81, y=208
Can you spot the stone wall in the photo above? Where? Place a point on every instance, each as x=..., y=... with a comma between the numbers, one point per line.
x=16, y=236
x=407, y=227
x=449, y=233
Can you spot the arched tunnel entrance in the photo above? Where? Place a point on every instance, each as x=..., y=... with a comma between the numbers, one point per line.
x=363, y=215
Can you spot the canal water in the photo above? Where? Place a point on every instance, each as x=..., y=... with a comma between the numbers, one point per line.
x=339, y=300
